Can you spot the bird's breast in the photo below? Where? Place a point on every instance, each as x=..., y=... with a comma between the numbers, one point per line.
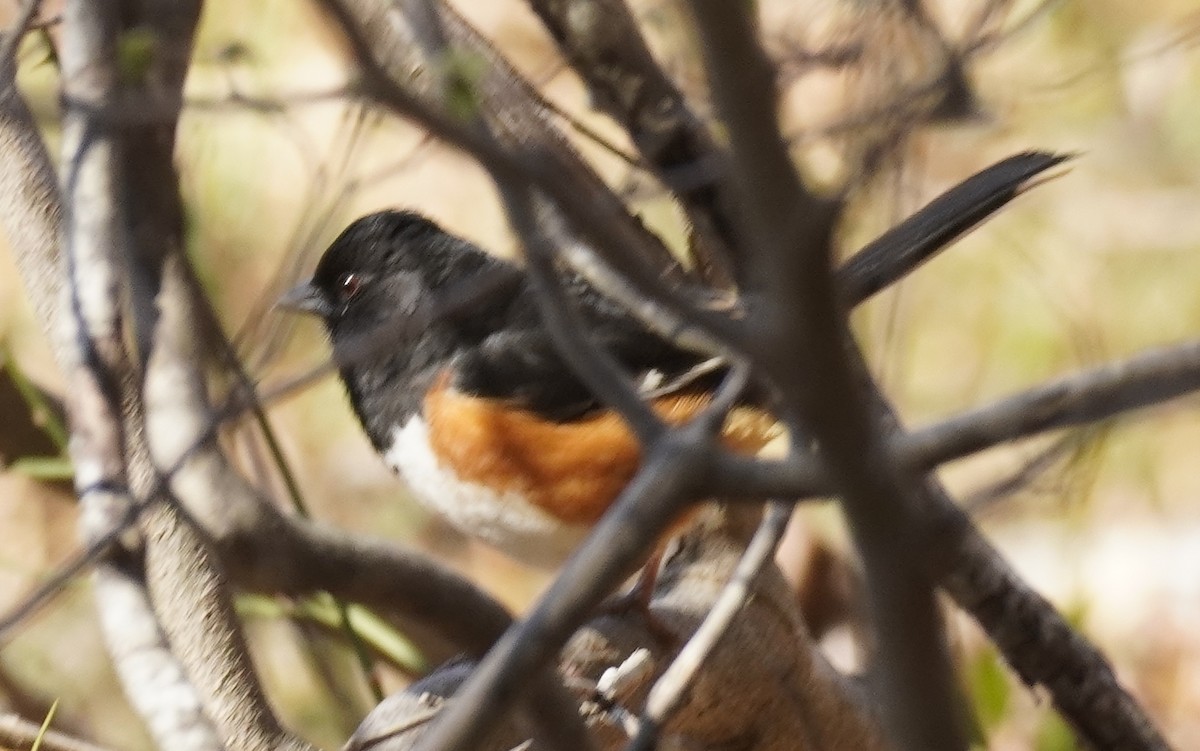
x=504, y=517
x=530, y=485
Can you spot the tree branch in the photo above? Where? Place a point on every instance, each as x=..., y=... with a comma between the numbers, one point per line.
x=94, y=357
x=799, y=335
x=31, y=211
x=192, y=595
x=604, y=45
x=1084, y=398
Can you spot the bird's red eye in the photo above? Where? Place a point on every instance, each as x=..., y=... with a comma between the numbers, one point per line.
x=349, y=285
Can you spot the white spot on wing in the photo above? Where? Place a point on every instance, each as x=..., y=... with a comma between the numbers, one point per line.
x=505, y=520
x=654, y=383
x=651, y=380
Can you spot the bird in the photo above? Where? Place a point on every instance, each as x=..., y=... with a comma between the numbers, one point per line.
x=488, y=424
x=476, y=410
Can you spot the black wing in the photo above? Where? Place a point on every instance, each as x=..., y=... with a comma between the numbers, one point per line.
x=519, y=362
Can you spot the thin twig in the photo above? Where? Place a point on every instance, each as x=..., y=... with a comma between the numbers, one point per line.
x=671, y=687
x=1023, y=476
x=10, y=40
x=1093, y=395
x=604, y=45
x=17, y=732
x=62, y=575
x=597, y=368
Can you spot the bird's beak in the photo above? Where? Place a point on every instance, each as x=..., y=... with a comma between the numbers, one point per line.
x=305, y=298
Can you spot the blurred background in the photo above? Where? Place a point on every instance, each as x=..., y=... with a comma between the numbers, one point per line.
x=1095, y=265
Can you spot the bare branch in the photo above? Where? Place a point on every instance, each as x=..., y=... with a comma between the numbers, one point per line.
x=604, y=45
x=150, y=671
x=1035, y=640
x=31, y=211
x=191, y=595
x=93, y=354
x=107, y=161
x=799, y=327
x=1103, y=392
x=199, y=614
x=1085, y=398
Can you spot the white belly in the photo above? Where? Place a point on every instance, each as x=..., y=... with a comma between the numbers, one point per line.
x=504, y=520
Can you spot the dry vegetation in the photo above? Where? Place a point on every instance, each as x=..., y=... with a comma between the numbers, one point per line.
x=1093, y=266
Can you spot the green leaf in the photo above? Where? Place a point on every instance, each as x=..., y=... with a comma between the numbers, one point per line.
x=1054, y=734
x=990, y=687
x=45, y=468
x=322, y=609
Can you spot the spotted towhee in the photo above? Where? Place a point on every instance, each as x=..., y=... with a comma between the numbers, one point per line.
x=477, y=411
